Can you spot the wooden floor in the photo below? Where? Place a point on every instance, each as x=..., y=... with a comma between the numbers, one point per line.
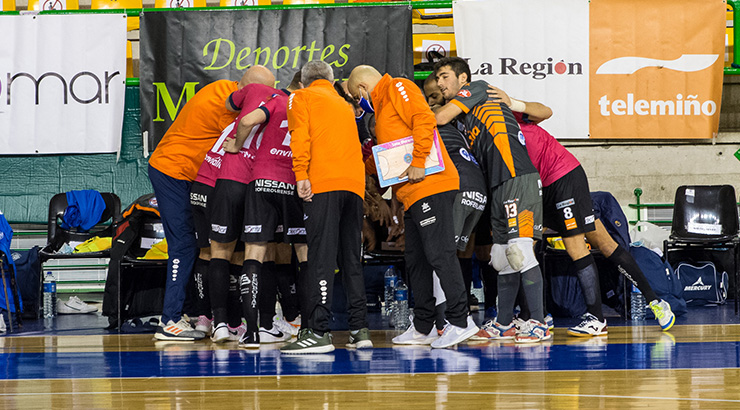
x=693, y=366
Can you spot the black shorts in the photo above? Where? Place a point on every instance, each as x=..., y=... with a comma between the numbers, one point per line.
x=567, y=206
x=516, y=209
x=199, y=194
x=483, y=229
x=226, y=206
x=466, y=211
x=273, y=211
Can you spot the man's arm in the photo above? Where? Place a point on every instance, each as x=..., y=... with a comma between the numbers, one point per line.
x=536, y=112
x=447, y=113
x=244, y=128
x=300, y=143
x=412, y=107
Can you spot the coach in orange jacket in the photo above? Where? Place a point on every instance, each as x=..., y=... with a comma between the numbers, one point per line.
x=400, y=111
x=330, y=177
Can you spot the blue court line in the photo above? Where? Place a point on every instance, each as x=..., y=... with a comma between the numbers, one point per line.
x=405, y=359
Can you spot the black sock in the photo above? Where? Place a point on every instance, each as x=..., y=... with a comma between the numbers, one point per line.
x=268, y=294
x=200, y=297
x=588, y=277
x=627, y=266
x=218, y=288
x=532, y=285
x=249, y=289
x=466, y=266
x=285, y=274
x=508, y=286
x=490, y=283
x=234, y=304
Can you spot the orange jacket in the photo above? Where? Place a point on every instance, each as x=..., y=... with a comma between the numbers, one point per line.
x=400, y=111
x=195, y=130
x=324, y=140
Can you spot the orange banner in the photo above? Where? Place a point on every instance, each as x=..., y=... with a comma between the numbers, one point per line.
x=656, y=68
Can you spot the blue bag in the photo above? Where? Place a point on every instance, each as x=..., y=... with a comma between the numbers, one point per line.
x=702, y=284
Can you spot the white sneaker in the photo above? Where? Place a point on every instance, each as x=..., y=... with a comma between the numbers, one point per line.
x=454, y=334
x=413, y=337
x=180, y=331
x=74, y=306
x=274, y=335
x=589, y=326
x=3, y=328
x=220, y=333
x=204, y=324
x=235, y=334
x=279, y=323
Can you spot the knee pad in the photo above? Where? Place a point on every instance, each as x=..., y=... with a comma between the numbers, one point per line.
x=520, y=254
x=499, y=260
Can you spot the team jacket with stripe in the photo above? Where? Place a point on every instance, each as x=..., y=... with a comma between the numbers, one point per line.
x=401, y=111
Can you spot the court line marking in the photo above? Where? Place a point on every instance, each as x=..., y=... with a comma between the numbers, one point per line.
x=140, y=392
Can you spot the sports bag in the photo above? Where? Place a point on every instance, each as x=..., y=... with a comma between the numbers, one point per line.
x=702, y=284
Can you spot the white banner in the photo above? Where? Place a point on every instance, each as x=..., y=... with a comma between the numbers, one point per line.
x=534, y=50
x=62, y=83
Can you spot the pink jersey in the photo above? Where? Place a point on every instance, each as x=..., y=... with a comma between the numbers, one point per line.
x=211, y=165
x=550, y=158
x=273, y=158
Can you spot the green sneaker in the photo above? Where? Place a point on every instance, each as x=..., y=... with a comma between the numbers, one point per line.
x=309, y=342
x=360, y=339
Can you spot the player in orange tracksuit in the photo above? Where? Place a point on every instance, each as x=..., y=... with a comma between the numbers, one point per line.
x=401, y=110
x=330, y=178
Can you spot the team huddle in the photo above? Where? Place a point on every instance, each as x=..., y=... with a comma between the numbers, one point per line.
x=263, y=179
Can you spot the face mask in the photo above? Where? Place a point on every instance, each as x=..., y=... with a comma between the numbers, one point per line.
x=366, y=105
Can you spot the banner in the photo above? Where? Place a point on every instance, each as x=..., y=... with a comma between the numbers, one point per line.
x=62, y=83
x=609, y=69
x=181, y=51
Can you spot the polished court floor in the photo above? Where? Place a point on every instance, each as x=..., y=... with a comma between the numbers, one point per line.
x=69, y=366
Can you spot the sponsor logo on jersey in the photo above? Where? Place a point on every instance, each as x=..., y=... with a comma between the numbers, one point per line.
x=219, y=229
x=521, y=138
x=425, y=207
x=464, y=93
x=467, y=156
x=589, y=219
x=697, y=286
x=197, y=199
x=252, y=228
x=563, y=204
x=571, y=224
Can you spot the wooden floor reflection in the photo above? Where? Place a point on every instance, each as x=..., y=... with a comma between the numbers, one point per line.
x=714, y=386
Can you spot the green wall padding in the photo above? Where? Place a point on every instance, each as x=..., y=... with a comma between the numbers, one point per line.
x=29, y=182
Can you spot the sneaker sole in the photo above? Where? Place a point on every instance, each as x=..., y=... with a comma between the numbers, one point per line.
x=162, y=336
x=248, y=345
x=669, y=325
x=221, y=339
x=579, y=334
x=362, y=344
x=309, y=350
x=465, y=336
x=420, y=342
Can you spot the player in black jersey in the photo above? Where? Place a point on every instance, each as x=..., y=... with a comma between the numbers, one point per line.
x=514, y=193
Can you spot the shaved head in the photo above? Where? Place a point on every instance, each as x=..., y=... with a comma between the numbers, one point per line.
x=363, y=77
x=258, y=74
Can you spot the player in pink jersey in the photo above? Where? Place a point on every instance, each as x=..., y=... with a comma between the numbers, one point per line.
x=568, y=209
x=271, y=203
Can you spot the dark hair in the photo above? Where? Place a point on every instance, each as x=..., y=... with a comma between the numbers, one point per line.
x=295, y=83
x=457, y=65
x=432, y=78
x=347, y=97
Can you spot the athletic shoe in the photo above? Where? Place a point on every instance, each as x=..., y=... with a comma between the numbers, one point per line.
x=589, y=326
x=279, y=322
x=454, y=334
x=496, y=331
x=663, y=314
x=204, y=324
x=533, y=332
x=236, y=334
x=177, y=331
x=491, y=314
x=220, y=333
x=413, y=337
x=549, y=322
x=273, y=335
x=296, y=323
x=309, y=342
x=3, y=328
x=360, y=339
x=74, y=306
x=250, y=340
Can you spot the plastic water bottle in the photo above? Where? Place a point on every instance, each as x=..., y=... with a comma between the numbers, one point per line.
x=637, y=304
x=401, y=315
x=390, y=278
x=50, y=295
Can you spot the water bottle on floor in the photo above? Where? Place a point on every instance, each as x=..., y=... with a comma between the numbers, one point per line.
x=637, y=304
x=402, y=321
x=390, y=278
x=50, y=295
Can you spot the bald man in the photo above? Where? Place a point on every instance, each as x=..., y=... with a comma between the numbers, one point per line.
x=401, y=111
x=172, y=168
